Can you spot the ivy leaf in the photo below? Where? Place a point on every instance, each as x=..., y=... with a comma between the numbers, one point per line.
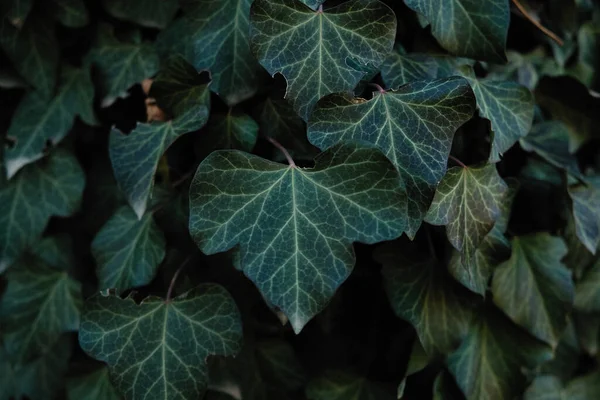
x=295, y=226
x=587, y=291
x=38, y=121
x=52, y=186
x=7, y=376
x=120, y=64
x=413, y=126
x=315, y=51
x=421, y=292
x=314, y=4
x=489, y=362
x=70, y=13
x=135, y=156
x=39, y=304
x=231, y=131
x=467, y=202
x=128, y=250
x=93, y=386
x=400, y=68
x=473, y=29
x=341, y=385
x=214, y=36
x=158, y=349
x=15, y=10
x=153, y=14
x=279, y=365
x=586, y=212
x=534, y=288
x=551, y=388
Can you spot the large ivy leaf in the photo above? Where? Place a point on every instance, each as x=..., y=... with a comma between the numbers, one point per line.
x=158, y=349
x=128, y=250
x=37, y=121
x=421, y=292
x=92, y=386
x=489, y=363
x=587, y=291
x=52, y=186
x=153, y=14
x=467, y=202
x=320, y=53
x=70, y=13
x=413, y=126
x=341, y=385
x=295, y=227
x=474, y=29
x=233, y=130
x=214, y=35
x=548, y=387
x=135, y=156
x=586, y=212
x=39, y=304
x=534, y=288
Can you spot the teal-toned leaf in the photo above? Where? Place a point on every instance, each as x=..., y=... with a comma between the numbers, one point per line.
x=421, y=292
x=15, y=10
x=314, y=4
x=295, y=226
x=587, y=327
x=545, y=387
x=534, y=288
x=587, y=291
x=490, y=361
x=566, y=356
x=233, y=130
x=51, y=186
x=214, y=35
x=55, y=252
x=39, y=304
x=157, y=349
x=152, y=14
x=70, y=13
x=33, y=51
x=413, y=126
x=93, y=386
x=120, y=64
x=341, y=385
x=474, y=29
x=314, y=51
x=128, y=250
x=551, y=388
x=37, y=121
x=279, y=365
x=467, y=202
x=135, y=156
x=7, y=376
x=586, y=212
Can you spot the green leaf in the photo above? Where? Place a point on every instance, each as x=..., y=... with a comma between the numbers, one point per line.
x=120, y=64
x=15, y=10
x=135, y=156
x=566, y=356
x=489, y=362
x=586, y=212
x=214, y=35
x=279, y=365
x=37, y=121
x=534, y=288
x=39, y=304
x=52, y=186
x=474, y=29
x=55, y=252
x=7, y=376
x=314, y=4
x=587, y=291
x=70, y=13
x=413, y=126
x=341, y=385
x=231, y=131
x=421, y=292
x=551, y=388
x=315, y=51
x=92, y=386
x=157, y=349
x=467, y=202
x=128, y=250
x=296, y=226
x=152, y=14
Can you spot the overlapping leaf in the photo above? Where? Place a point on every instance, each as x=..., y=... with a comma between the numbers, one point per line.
x=341, y=385
x=128, y=250
x=549, y=387
x=587, y=291
x=474, y=29
x=70, y=13
x=231, y=131
x=279, y=365
x=92, y=386
x=320, y=53
x=534, y=288
x=153, y=14
x=586, y=212
x=39, y=121
x=157, y=349
x=413, y=126
x=15, y=10
x=295, y=227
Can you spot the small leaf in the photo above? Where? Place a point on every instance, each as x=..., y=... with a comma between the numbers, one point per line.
x=151, y=14
x=474, y=29
x=157, y=349
x=279, y=365
x=296, y=226
x=135, y=156
x=70, y=13
x=314, y=50
x=534, y=288
x=231, y=131
x=587, y=291
x=586, y=212
x=413, y=126
x=128, y=250
x=92, y=386
x=340, y=385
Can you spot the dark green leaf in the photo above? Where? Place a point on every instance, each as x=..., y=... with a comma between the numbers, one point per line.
x=566, y=356
x=157, y=349
x=70, y=13
x=400, y=68
x=314, y=50
x=586, y=212
x=296, y=226
x=587, y=291
x=551, y=388
x=413, y=126
x=340, y=385
x=92, y=386
x=231, y=131
x=55, y=252
x=15, y=10
x=153, y=14
x=279, y=365
x=7, y=377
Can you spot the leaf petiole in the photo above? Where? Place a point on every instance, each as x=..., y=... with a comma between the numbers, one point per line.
x=283, y=150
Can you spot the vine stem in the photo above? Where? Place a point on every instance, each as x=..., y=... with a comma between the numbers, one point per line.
x=376, y=86
x=283, y=150
x=174, y=279
x=456, y=160
x=320, y=10
x=542, y=28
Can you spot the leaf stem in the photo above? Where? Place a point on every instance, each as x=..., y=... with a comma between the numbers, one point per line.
x=320, y=9
x=376, y=86
x=174, y=279
x=542, y=28
x=283, y=150
x=456, y=160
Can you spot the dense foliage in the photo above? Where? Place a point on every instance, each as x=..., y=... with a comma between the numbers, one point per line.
x=299, y=199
